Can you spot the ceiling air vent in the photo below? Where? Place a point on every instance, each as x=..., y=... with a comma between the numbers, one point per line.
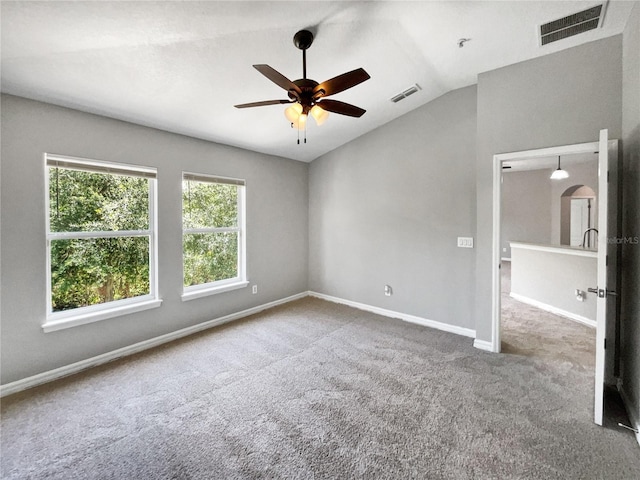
x=571, y=25
x=406, y=93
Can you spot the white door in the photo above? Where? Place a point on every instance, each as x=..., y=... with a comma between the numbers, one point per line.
x=607, y=264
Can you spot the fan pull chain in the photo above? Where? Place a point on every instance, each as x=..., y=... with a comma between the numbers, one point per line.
x=298, y=128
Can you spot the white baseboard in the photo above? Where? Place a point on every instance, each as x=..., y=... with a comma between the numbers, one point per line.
x=631, y=412
x=554, y=310
x=483, y=345
x=467, y=332
x=76, y=367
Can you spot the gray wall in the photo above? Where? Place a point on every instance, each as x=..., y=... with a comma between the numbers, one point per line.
x=387, y=208
x=277, y=230
x=630, y=317
x=553, y=277
x=526, y=208
x=559, y=99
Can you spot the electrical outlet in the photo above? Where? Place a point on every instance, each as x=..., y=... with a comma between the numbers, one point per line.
x=388, y=291
x=254, y=289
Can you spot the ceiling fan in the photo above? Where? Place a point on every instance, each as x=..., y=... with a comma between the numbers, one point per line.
x=309, y=96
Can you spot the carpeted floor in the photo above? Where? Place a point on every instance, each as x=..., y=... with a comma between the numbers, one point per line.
x=529, y=331
x=314, y=390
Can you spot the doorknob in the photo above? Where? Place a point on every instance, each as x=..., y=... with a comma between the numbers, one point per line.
x=602, y=293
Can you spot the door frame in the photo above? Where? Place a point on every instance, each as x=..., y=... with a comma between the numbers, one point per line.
x=498, y=160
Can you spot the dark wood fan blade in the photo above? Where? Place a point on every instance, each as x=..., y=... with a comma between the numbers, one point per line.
x=342, y=108
x=262, y=104
x=341, y=83
x=277, y=78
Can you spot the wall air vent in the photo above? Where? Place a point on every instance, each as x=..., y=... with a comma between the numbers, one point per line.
x=409, y=91
x=571, y=25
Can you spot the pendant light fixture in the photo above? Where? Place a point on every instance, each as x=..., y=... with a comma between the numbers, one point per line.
x=558, y=173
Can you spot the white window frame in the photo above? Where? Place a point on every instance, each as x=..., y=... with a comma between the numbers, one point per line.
x=82, y=315
x=220, y=286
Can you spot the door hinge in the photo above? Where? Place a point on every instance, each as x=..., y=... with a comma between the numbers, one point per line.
x=605, y=343
x=607, y=176
x=606, y=260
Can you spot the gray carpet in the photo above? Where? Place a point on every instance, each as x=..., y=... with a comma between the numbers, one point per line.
x=316, y=390
x=527, y=330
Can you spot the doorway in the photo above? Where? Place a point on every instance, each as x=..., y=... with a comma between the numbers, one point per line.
x=606, y=256
x=541, y=218
x=578, y=216
x=540, y=316
x=581, y=221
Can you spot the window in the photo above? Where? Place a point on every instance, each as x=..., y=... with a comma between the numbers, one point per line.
x=101, y=240
x=213, y=237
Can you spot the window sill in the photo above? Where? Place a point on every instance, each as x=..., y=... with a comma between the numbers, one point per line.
x=204, y=292
x=52, y=325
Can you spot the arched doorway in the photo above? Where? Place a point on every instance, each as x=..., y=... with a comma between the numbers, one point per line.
x=578, y=217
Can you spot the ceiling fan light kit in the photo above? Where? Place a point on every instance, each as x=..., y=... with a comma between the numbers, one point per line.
x=307, y=96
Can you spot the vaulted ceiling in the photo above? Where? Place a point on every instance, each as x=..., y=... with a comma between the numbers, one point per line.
x=181, y=66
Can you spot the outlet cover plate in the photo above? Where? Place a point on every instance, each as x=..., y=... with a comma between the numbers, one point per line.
x=465, y=242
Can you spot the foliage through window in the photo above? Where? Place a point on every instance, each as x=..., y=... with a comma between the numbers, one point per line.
x=212, y=223
x=100, y=236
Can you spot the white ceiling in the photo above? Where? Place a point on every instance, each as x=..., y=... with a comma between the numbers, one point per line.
x=181, y=66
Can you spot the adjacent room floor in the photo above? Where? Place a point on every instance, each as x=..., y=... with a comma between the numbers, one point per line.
x=528, y=330
x=313, y=389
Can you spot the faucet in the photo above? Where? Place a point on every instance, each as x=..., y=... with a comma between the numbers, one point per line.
x=585, y=237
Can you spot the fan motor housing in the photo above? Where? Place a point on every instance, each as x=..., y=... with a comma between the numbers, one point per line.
x=306, y=98
x=306, y=84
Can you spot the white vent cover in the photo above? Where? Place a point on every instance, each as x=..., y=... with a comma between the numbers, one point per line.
x=409, y=91
x=571, y=25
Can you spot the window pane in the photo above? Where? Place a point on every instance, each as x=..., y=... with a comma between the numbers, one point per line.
x=209, y=205
x=98, y=270
x=210, y=257
x=82, y=201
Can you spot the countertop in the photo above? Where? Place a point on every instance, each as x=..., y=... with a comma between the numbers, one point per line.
x=562, y=249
